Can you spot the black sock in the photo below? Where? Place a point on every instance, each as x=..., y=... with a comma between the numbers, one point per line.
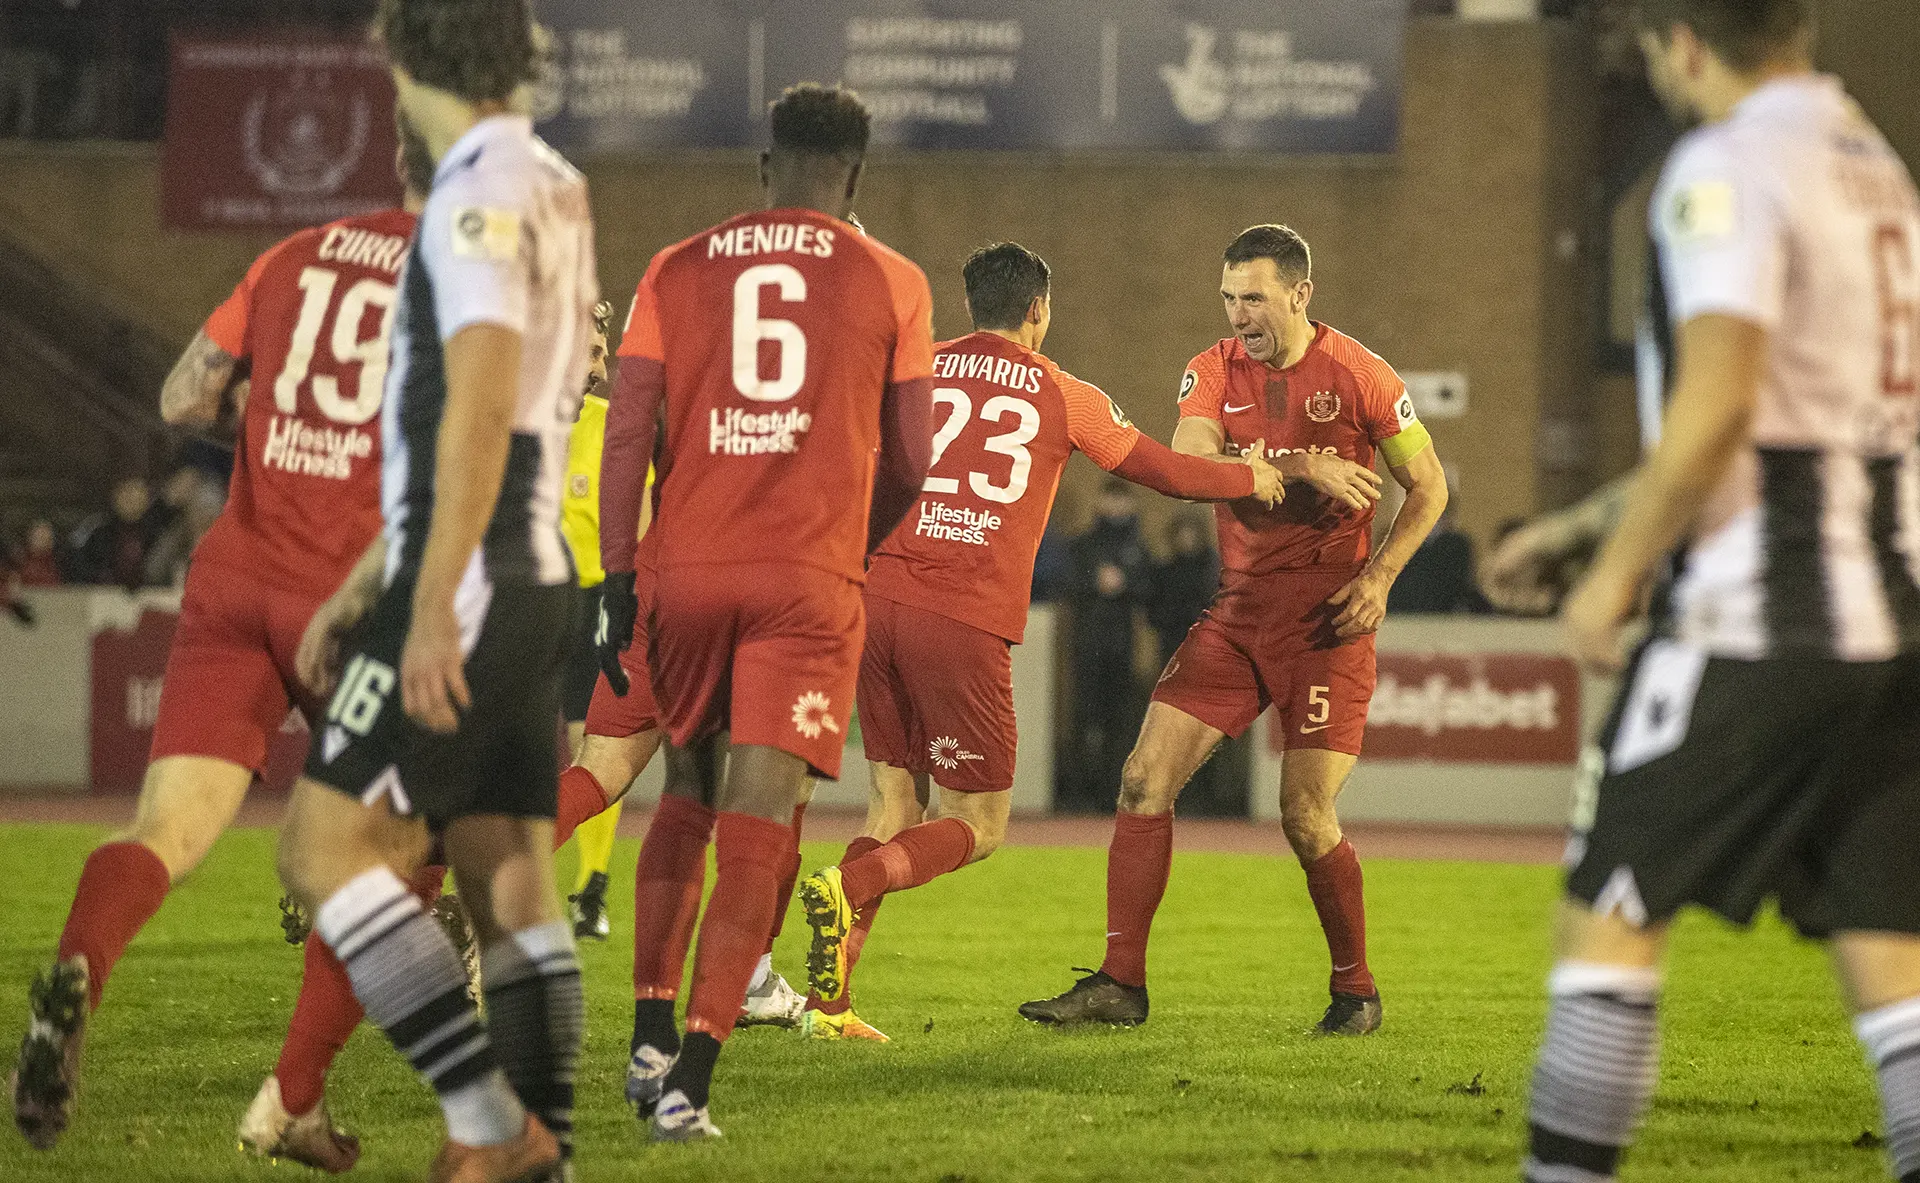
x=534, y=1016
x=693, y=1072
x=653, y=1025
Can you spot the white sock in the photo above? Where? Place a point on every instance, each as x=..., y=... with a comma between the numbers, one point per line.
x=762, y=970
x=484, y=1113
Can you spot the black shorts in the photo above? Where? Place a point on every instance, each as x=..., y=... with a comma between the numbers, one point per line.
x=504, y=758
x=583, y=665
x=1721, y=783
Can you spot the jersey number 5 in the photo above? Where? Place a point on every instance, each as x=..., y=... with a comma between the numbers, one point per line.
x=1012, y=443
x=316, y=297
x=1899, y=280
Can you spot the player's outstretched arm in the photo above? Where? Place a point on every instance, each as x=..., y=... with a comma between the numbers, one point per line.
x=906, y=452
x=476, y=428
x=1363, y=602
x=1155, y=466
x=199, y=385
x=1708, y=420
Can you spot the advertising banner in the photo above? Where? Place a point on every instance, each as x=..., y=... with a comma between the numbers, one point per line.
x=1296, y=76
x=277, y=132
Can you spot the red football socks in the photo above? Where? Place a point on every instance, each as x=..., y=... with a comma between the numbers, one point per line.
x=122, y=885
x=581, y=797
x=323, y=1018
x=1334, y=882
x=784, y=895
x=1139, y=860
x=666, y=894
x=752, y=854
x=856, y=936
x=917, y=855
x=326, y=1013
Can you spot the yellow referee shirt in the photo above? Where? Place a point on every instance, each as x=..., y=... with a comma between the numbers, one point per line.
x=580, y=504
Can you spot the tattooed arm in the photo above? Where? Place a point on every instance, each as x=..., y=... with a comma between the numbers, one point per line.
x=198, y=390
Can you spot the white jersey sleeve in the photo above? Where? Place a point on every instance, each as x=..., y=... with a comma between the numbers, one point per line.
x=1722, y=228
x=476, y=241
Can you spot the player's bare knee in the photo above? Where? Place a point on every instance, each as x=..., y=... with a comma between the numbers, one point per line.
x=1146, y=785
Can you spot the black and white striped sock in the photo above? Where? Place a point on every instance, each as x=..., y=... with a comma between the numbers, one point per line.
x=1595, y=1075
x=1892, y=1037
x=535, y=1011
x=408, y=976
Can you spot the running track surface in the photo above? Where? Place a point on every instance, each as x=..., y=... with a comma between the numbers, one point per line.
x=1487, y=844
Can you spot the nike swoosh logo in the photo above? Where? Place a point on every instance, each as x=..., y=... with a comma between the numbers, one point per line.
x=1340, y=969
x=1305, y=730
x=1231, y=409
x=1111, y=935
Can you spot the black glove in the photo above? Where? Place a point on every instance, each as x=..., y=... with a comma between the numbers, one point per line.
x=619, y=607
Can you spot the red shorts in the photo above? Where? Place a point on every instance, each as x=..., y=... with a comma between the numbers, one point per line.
x=936, y=697
x=617, y=716
x=768, y=652
x=1269, y=639
x=230, y=674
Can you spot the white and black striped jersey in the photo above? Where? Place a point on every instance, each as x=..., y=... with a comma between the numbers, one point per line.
x=506, y=238
x=1794, y=213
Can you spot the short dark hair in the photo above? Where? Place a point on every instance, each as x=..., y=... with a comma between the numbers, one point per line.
x=417, y=164
x=1003, y=281
x=1744, y=33
x=1273, y=241
x=816, y=120
x=478, y=50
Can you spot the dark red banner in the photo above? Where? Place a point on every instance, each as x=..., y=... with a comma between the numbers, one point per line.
x=128, y=669
x=276, y=132
x=1480, y=708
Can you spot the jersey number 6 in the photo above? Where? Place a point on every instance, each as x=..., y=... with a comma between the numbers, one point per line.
x=750, y=328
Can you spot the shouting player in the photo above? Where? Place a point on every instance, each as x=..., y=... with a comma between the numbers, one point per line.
x=1765, y=741
x=446, y=706
x=299, y=353
x=947, y=596
x=1292, y=624
x=796, y=437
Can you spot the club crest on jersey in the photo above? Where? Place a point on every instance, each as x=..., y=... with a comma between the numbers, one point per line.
x=1323, y=406
x=1187, y=383
x=813, y=714
x=579, y=485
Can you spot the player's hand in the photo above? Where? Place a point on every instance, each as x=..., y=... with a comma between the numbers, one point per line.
x=317, y=660
x=1362, y=603
x=433, y=676
x=1268, y=485
x=1594, y=619
x=613, y=632
x=1354, y=486
x=1523, y=573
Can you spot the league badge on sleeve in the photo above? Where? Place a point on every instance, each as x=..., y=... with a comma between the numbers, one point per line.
x=482, y=233
x=1701, y=211
x=1187, y=383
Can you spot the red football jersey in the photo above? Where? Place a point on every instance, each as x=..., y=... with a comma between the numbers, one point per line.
x=779, y=332
x=310, y=321
x=1339, y=398
x=1006, y=419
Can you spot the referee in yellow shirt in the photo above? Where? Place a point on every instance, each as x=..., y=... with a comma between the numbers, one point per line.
x=580, y=523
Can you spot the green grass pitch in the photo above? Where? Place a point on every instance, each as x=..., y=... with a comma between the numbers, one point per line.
x=1761, y=1079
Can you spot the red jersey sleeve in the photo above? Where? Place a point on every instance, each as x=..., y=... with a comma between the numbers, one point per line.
x=913, y=315
x=1386, y=409
x=227, y=326
x=1203, y=386
x=1095, y=424
x=641, y=337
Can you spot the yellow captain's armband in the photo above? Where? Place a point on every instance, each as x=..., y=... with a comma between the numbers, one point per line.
x=1398, y=449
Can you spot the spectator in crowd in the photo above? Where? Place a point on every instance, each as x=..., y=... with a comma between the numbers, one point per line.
x=192, y=498
x=1440, y=576
x=112, y=548
x=1183, y=586
x=1052, y=565
x=37, y=564
x=1107, y=582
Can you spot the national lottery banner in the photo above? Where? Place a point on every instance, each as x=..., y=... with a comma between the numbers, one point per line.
x=1293, y=76
x=276, y=132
